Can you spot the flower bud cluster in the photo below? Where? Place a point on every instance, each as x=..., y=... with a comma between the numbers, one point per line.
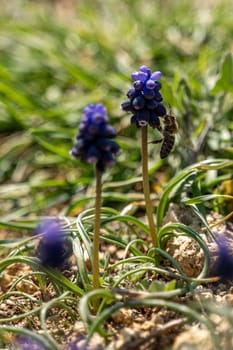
x=144, y=99
x=94, y=144
x=53, y=248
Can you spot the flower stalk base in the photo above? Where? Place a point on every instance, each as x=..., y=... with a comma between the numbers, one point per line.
x=146, y=187
x=96, y=238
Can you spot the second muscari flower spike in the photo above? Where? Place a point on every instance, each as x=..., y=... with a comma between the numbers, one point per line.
x=144, y=99
x=54, y=247
x=94, y=144
x=224, y=264
x=26, y=343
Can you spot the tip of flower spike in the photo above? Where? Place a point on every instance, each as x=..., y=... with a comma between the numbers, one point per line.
x=95, y=114
x=140, y=76
x=95, y=107
x=49, y=228
x=101, y=108
x=146, y=70
x=156, y=75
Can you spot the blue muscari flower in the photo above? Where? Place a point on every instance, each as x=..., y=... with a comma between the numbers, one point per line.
x=53, y=248
x=25, y=343
x=144, y=99
x=94, y=144
x=224, y=264
x=80, y=344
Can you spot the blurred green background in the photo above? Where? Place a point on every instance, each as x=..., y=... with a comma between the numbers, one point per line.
x=58, y=56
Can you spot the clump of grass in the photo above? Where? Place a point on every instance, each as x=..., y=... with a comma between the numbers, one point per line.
x=130, y=270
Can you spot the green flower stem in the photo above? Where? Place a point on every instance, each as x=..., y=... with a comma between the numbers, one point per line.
x=146, y=188
x=96, y=238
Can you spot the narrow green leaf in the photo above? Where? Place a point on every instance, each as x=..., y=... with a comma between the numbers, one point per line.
x=82, y=268
x=225, y=81
x=15, y=96
x=64, y=153
x=204, y=198
x=210, y=164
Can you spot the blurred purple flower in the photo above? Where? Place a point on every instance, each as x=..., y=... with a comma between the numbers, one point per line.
x=80, y=343
x=53, y=248
x=25, y=343
x=144, y=99
x=224, y=264
x=94, y=144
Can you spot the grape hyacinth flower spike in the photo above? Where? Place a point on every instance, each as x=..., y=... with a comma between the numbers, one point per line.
x=144, y=99
x=224, y=264
x=54, y=247
x=25, y=343
x=95, y=146
x=145, y=104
